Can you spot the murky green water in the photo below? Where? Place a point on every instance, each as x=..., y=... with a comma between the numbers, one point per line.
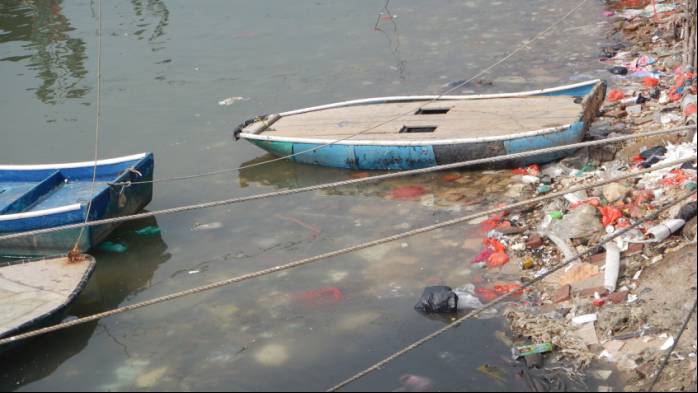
x=166, y=64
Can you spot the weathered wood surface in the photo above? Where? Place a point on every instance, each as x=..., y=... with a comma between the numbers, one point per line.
x=35, y=289
x=465, y=119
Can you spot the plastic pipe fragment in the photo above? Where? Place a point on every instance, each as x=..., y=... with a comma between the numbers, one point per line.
x=662, y=231
x=562, y=245
x=612, y=266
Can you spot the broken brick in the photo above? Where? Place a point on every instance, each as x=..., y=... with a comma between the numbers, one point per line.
x=534, y=241
x=590, y=292
x=618, y=297
x=562, y=294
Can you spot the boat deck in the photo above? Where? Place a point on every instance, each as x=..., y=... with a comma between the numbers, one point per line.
x=453, y=119
x=32, y=290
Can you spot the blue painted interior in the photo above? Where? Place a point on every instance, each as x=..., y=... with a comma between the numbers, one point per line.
x=33, y=195
x=34, y=190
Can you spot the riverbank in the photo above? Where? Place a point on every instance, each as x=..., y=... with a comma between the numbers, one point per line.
x=622, y=326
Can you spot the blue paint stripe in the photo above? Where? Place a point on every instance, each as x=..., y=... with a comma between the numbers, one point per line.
x=394, y=157
x=573, y=134
x=338, y=156
x=574, y=92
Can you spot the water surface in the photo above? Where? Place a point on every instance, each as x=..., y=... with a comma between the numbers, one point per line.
x=166, y=65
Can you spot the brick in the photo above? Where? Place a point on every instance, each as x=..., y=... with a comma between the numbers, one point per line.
x=618, y=297
x=534, y=241
x=562, y=294
x=589, y=292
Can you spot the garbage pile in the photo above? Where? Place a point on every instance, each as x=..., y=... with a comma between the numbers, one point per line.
x=600, y=308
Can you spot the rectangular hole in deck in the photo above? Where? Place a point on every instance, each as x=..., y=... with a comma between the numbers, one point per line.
x=420, y=129
x=432, y=111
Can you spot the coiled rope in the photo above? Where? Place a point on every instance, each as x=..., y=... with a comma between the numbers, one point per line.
x=335, y=253
x=318, y=187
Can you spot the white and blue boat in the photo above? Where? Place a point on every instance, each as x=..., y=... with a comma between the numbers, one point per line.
x=44, y=196
x=410, y=132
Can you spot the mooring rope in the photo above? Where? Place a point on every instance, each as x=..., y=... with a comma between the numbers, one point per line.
x=76, y=247
x=318, y=187
x=591, y=251
x=335, y=253
x=665, y=360
x=524, y=44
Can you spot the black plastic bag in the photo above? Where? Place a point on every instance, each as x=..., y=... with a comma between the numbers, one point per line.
x=439, y=299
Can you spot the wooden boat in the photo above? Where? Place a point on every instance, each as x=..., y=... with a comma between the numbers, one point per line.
x=444, y=130
x=44, y=196
x=35, y=292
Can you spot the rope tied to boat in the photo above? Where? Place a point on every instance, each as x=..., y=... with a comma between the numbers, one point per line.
x=457, y=165
x=335, y=253
x=75, y=252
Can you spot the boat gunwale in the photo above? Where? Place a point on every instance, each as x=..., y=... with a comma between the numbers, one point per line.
x=84, y=164
x=89, y=270
x=430, y=142
x=433, y=142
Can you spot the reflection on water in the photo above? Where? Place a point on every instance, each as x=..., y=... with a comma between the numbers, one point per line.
x=393, y=38
x=56, y=57
x=144, y=10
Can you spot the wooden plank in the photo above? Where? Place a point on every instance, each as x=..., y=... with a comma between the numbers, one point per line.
x=465, y=119
x=32, y=290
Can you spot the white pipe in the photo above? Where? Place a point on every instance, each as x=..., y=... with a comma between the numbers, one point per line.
x=662, y=231
x=612, y=266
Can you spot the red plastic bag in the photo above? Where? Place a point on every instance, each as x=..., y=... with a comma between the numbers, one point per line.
x=498, y=259
x=615, y=95
x=610, y=215
x=485, y=295
x=650, y=82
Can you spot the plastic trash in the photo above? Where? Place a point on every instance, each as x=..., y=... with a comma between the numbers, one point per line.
x=579, y=223
x=612, y=266
x=662, y=231
x=687, y=212
x=618, y=70
x=688, y=104
x=415, y=383
x=582, y=319
x=615, y=95
x=467, y=300
x=544, y=189
x=650, y=82
x=116, y=248
x=563, y=245
x=438, y=299
x=532, y=349
x=148, y=231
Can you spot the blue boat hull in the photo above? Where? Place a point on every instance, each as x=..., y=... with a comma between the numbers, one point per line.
x=49, y=190
x=394, y=156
